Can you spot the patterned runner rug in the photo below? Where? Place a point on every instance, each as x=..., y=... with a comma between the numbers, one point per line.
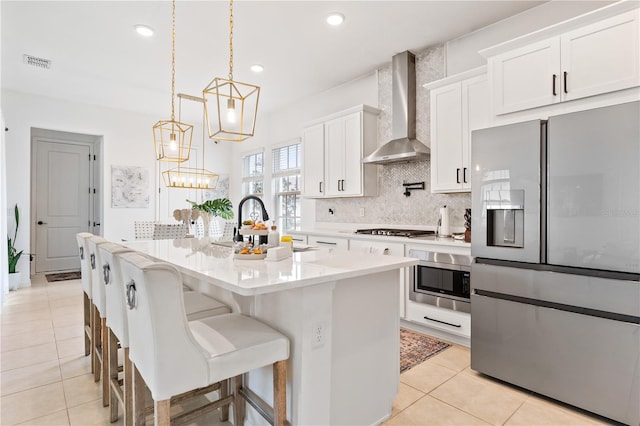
x=63, y=276
x=416, y=347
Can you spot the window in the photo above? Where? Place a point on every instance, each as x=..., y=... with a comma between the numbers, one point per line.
x=286, y=184
x=252, y=183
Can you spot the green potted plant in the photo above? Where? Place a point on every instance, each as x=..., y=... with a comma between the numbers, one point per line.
x=220, y=207
x=14, y=255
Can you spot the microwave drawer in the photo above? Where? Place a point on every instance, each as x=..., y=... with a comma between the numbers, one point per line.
x=453, y=322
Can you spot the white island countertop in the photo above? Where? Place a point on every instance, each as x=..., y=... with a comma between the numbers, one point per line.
x=205, y=260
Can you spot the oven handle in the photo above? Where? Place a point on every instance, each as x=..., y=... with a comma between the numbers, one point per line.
x=449, y=266
x=443, y=322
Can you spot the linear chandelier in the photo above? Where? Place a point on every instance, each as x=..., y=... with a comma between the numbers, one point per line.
x=172, y=139
x=191, y=177
x=230, y=106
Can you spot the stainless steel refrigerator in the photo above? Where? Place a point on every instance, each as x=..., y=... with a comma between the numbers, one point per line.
x=555, y=303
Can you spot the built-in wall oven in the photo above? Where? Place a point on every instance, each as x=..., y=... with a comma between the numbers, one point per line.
x=441, y=279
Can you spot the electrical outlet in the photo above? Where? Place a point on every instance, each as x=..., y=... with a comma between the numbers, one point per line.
x=317, y=335
x=361, y=211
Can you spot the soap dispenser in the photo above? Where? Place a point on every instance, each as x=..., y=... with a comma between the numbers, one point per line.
x=273, y=238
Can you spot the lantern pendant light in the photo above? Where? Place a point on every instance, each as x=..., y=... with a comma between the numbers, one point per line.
x=230, y=107
x=172, y=138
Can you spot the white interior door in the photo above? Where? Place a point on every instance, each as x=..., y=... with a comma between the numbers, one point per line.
x=62, y=203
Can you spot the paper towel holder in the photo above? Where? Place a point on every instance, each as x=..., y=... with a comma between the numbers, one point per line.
x=442, y=228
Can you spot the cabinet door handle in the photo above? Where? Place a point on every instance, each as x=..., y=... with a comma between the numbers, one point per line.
x=464, y=175
x=327, y=243
x=564, y=77
x=320, y=187
x=457, y=175
x=553, y=86
x=443, y=322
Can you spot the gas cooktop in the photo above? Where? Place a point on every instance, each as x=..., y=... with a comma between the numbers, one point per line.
x=409, y=233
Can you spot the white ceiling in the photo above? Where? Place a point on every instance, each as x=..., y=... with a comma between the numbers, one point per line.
x=99, y=59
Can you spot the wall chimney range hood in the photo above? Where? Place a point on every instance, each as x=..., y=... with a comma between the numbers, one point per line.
x=403, y=146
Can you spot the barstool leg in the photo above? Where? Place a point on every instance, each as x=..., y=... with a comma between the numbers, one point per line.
x=138, y=396
x=128, y=389
x=87, y=326
x=95, y=341
x=113, y=375
x=238, y=402
x=162, y=412
x=105, y=362
x=280, y=393
x=224, y=392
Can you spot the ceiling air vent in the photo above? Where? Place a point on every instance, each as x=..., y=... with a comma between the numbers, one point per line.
x=37, y=62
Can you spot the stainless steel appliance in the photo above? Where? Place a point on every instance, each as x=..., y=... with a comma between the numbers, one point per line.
x=409, y=233
x=441, y=279
x=403, y=146
x=556, y=239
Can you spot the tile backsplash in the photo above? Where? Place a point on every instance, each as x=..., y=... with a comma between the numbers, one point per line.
x=391, y=206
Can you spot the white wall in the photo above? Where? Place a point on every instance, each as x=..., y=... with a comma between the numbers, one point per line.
x=127, y=140
x=462, y=53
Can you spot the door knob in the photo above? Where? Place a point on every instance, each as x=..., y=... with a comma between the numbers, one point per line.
x=41, y=222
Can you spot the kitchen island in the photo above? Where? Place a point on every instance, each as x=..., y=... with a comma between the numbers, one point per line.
x=338, y=308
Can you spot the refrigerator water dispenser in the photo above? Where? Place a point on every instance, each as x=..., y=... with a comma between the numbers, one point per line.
x=505, y=218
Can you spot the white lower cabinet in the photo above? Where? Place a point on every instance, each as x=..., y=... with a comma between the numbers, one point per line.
x=452, y=322
x=328, y=242
x=302, y=239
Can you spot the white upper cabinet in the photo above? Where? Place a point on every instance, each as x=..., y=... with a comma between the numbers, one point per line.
x=313, y=160
x=459, y=105
x=601, y=57
x=526, y=78
x=332, y=151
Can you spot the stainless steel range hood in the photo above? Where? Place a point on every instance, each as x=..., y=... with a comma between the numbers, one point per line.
x=403, y=146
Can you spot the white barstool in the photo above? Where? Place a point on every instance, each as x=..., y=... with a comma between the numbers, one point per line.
x=99, y=311
x=143, y=229
x=197, y=305
x=165, y=231
x=174, y=356
x=85, y=272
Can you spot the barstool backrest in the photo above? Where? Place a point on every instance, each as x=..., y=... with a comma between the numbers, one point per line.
x=165, y=231
x=85, y=267
x=97, y=283
x=114, y=290
x=160, y=342
x=143, y=229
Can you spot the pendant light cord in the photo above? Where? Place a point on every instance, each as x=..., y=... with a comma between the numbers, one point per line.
x=173, y=58
x=231, y=40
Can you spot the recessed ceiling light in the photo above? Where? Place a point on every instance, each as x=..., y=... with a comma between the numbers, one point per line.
x=257, y=68
x=335, y=18
x=144, y=30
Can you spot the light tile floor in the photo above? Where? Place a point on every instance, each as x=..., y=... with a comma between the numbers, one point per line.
x=45, y=378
